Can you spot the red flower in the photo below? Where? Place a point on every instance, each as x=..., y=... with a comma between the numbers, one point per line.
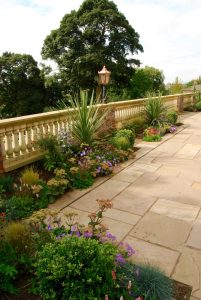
x=114, y=275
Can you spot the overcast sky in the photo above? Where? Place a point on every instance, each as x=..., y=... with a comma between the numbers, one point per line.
x=170, y=30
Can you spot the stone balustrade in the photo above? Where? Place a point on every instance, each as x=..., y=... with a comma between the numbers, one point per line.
x=18, y=136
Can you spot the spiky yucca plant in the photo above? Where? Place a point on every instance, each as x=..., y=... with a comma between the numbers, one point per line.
x=88, y=117
x=154, y=111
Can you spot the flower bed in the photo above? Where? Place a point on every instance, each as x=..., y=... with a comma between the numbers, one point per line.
x=67, y=260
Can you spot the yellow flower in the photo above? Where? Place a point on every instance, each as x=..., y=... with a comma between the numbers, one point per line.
x=59, y=172
x=74, y=170
x=53, y=182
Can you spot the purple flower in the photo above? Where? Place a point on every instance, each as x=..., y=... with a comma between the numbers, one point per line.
x=73, y=228
x=130, y=250
x=78, y=233
x=109, y=164
x=88, y=234
x=172, y=129
x=110, y=236
x=82, y=153
x=120, y=259
x=49, y=227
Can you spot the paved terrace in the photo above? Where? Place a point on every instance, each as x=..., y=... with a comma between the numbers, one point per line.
x=157, y=203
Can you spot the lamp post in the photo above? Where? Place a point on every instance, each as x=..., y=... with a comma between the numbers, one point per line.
x=104, y=78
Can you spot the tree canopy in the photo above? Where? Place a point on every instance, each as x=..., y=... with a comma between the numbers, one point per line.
x=146, y=80
x=22, y=90
x=96, y=34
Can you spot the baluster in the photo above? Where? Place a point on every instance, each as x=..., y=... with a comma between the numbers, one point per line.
x=35, y=136
x=9, y=139
x=23, y=146
x=16, y=143
x=46, y=128
x=2, y=152
x=63, y=124
x=2, y=143
x=41, y=130
x=59, y=125
x=56, y=129
x=51, y=128
x=29, y=139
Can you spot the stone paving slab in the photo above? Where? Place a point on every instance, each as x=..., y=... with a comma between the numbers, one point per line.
x=117, y=228
x=122, y=216
x=168, y=171
x=153, y=254
x=127, y=175
x=136, y=203
x=148, y=167
x=195, y=175
x=170, y=147
x=189, y=150
x=188, y=270
x=194, y=139
x=162, y=230
x=176, y=210
x=194, y=239
x=196, y=185
x=107, y=190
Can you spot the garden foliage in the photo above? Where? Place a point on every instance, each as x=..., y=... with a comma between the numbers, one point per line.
x=154, y=111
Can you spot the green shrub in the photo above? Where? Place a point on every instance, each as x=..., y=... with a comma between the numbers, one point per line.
x=54, y=156
x=129, y=134
x=82, y=180
x=152, y=138
x=6, y=182
x=139, y=125
x=148, y=281
x=198, y=97
x=19, y=207
x=75, y=268
x=172, y=117
x=121, y=142
x=154, y=111
x=198, y=106
x=8, y=270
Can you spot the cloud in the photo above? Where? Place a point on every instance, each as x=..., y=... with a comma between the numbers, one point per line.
x=169, y=30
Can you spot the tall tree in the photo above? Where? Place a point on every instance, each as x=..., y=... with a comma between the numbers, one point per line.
x=146, y=80
x=22, y=90
x=95, y=35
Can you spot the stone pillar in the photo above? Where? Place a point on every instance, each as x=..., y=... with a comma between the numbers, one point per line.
x=180, y=103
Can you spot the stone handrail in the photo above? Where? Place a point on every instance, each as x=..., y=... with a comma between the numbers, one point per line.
x=18, y=135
